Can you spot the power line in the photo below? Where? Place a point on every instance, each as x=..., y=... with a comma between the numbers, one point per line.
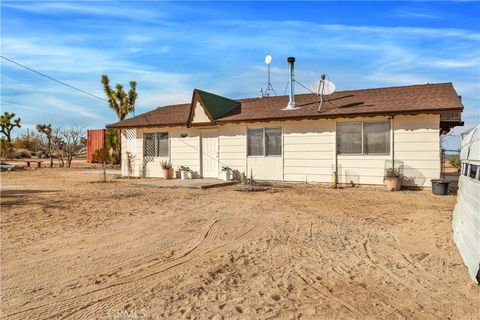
x=53, y=79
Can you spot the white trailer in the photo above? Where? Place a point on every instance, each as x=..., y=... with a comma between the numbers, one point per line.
x=466, y=215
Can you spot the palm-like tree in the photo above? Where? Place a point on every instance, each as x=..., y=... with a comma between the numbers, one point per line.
x=119, y=101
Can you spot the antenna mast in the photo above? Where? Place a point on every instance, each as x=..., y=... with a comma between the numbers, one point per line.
x=266, y=93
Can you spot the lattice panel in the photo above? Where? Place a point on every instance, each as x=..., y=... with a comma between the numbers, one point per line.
x=131, y=141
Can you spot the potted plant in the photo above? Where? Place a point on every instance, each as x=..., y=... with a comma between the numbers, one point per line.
x=226, y=173
x=167, y=169
x=185, y=172
x=392, y=179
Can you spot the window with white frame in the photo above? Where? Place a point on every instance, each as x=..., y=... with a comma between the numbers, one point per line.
x=363, y=137
x=155, y=144
x=264, y=142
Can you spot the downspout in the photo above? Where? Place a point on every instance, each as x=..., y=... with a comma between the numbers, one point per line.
x=335, y=172
x=392, y=126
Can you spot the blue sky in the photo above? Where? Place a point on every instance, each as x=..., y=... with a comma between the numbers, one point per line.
x=171, y=48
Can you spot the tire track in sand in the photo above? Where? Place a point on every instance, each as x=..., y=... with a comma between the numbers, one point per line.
x=97, y=297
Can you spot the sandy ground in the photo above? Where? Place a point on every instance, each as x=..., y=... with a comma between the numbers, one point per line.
x=73, y=248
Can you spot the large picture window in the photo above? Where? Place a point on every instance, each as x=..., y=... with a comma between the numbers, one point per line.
x=264, y=142
x=155, y=144
x=363, y=137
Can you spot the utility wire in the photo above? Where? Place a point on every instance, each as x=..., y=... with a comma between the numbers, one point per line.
x=53, y=79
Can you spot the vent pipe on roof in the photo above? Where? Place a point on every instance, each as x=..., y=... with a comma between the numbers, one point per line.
x=291, y=101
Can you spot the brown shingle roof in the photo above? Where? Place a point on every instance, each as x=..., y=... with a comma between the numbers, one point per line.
x=427, y=98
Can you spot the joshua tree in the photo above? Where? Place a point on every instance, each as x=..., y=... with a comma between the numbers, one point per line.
x=118, y=100
x=7, y=124
x=46, y=129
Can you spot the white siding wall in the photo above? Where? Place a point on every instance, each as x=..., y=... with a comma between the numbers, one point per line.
x=185, y=151
x=232, y=147
x=417, y=145
x=308, y=150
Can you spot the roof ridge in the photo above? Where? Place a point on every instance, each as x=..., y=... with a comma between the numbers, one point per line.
x=350, y=90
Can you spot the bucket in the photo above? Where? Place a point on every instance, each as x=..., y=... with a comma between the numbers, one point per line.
x=439, y=187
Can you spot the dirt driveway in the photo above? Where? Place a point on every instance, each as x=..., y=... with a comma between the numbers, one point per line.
x=76, y=249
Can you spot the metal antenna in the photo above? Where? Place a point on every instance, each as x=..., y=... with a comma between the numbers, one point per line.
x=268, y=60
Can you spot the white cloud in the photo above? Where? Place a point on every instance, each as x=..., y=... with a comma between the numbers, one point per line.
x=107, y=9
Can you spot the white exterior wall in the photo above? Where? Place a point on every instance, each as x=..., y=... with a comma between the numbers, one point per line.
x=232, y=147
x=185, y=151
x=308, y=153
x=417, y=145
x=309, y=150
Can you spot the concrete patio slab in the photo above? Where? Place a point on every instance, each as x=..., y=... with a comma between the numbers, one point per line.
x=189, y=183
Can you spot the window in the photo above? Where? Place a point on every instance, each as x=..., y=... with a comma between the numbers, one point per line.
x=264, y=142
x=273, y=141
x=376, y=137
x=473, y=171
x=255, y=142
x=363, y=137
x=155, y=144
x=349, y=137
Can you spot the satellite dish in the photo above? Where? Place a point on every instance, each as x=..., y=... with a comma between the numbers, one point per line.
x=323, y=87
x=268, y=59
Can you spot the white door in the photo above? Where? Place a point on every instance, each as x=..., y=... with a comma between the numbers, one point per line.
x=209, y=154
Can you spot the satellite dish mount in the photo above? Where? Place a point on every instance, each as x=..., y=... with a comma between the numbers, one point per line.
x=323, y=87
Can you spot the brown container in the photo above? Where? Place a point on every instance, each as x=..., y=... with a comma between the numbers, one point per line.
x=95, y=141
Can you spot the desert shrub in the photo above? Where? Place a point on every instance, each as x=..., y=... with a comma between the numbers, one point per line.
x=455, y=161
x=102, y=156
x=6, y=149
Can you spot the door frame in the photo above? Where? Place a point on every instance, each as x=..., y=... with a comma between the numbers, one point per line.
x=210, y=135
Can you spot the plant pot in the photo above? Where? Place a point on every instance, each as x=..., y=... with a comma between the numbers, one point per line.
x=167, y=173
x=393, y=184
x=184, y=175
x=439, y=187
x=226, y=175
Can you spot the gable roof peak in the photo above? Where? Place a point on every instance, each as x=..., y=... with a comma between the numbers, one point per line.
x=216, y=105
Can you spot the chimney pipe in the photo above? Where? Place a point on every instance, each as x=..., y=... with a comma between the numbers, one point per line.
x=291, y=101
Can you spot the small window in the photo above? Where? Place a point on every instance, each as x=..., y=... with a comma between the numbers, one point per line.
x=363, y=137
x=376, y=138
x=273, y=141
x=473, y=171
x=349, y=137
x=155, y=144
x=255, y=142
x=264, y=141
x=162, y=144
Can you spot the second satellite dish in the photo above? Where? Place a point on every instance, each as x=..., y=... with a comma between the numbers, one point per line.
x=323, y=87
x=268, y=59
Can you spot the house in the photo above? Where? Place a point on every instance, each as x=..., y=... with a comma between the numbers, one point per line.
x=355, y=134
